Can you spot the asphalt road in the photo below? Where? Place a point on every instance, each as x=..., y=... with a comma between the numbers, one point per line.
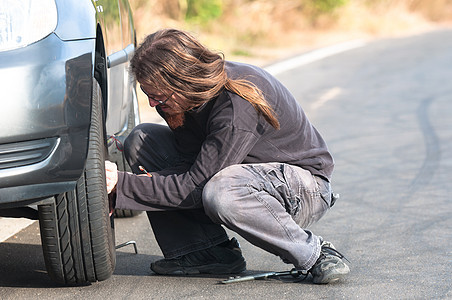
x=384, y=110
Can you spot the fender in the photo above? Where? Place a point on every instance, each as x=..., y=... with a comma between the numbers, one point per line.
x=85, y=26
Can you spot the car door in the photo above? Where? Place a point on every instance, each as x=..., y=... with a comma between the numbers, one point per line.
x=117, y=17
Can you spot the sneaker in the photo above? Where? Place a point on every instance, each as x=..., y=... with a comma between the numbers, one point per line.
x=225, y=258
x=329, y=267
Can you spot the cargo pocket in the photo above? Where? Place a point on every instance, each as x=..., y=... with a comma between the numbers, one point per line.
x=319, y=202
x=285, y=181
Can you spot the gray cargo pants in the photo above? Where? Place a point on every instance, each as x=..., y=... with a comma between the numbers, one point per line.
x=269, y=204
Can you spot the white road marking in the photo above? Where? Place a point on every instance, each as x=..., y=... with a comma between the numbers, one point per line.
x=11, y=226
x=312, y=56
x=329, y=95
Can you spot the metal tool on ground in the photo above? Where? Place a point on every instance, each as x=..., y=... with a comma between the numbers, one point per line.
x=296, y=274
x=129, y=243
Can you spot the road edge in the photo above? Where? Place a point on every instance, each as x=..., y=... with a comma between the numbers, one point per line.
x=11, y=226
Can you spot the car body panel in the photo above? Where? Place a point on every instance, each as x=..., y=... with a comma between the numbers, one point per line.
x=46, y=99
x=83, y=27
x=45, y=88
x=121, y=82
x=52, y=99
x=116, y=20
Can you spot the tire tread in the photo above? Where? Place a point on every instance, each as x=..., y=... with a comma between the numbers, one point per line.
x=76, y=232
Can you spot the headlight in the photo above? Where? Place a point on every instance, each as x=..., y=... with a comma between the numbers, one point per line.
x=23, y=22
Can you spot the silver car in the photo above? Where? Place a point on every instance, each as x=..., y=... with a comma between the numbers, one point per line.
x=66, y=95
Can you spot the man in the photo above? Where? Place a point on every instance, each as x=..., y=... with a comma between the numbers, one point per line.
x=239, y=151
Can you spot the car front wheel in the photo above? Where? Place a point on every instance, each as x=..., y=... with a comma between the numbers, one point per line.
x=77, y=233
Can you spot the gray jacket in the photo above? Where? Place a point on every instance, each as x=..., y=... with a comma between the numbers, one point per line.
x=226, y=131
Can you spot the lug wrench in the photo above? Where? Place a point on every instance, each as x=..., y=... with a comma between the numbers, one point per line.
x=294, y=273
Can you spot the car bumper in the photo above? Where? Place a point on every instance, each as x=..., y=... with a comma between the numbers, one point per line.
x=45, y=117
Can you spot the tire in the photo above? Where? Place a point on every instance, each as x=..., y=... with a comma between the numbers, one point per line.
x=126, y=213
x=77, y=233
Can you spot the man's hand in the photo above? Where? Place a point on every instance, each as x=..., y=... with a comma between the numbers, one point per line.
x=111, y=173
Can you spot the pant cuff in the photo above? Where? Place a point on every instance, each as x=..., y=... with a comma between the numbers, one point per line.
x=174, y=253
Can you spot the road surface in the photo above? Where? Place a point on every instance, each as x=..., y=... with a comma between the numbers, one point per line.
x=384, y=108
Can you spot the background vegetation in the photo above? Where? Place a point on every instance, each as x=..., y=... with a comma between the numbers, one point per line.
x=260, y=31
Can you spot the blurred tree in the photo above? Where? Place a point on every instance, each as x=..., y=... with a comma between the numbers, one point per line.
x=328, y=6
x=321, y=13
x=202, y=11
x=318, y=7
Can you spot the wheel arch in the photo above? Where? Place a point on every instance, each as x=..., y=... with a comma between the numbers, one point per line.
x=100, y=66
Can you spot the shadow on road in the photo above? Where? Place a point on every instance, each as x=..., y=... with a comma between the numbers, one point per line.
x=22, y=265
x=131, y=264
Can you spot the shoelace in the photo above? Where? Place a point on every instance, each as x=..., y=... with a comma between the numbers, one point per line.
x=334, y=252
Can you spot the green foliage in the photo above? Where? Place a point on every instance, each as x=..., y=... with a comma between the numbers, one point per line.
x=241, y=52
x=326, y=6
x=202, y=11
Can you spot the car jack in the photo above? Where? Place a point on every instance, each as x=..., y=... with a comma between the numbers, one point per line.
x=128, y=243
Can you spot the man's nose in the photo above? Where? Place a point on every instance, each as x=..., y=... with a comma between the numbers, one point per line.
x=152, y=102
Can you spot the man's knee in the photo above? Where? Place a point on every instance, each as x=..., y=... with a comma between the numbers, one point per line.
x=214, y=200
x=133, y=142
x=145, y=136
x=220, y=196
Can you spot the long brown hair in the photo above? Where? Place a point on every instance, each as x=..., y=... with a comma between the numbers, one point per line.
x=173, y=60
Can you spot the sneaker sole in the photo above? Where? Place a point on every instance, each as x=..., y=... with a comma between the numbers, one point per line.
x=238, y=267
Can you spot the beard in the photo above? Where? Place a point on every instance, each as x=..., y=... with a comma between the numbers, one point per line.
x=175, y=120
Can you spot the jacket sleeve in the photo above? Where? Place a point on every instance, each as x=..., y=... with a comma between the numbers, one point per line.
x=224, y=145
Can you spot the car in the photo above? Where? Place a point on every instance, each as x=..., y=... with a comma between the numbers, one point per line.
x=68, y=102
